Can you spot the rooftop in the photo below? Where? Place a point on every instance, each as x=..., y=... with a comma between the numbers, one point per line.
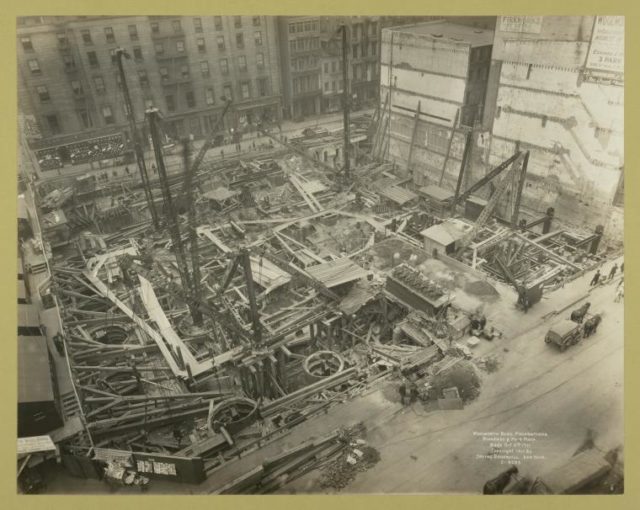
x=452, y=32
x=447, y=232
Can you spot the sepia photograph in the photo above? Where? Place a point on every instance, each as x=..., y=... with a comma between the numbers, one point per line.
x=320, y=255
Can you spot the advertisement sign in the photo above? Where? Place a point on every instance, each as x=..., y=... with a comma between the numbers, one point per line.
x=522, y=24
x=605, y=59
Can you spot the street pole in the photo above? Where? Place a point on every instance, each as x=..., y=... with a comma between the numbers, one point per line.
x=170, y=213
x=137, y=146
x=346, y=101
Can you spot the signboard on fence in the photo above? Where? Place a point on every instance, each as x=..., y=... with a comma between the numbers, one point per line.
x=179, y=469
x=605, y=58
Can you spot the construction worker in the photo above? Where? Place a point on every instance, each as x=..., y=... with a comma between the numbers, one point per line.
x=612, y=272
x=622, y=268
x=403, y=392
x=595, y=279
x=619, y=293
x=413, y=392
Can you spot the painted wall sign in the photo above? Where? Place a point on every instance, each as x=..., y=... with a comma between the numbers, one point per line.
x=605, y=58
x=523, y=24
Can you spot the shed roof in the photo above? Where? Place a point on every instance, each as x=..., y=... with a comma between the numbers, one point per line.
x=337, y=272
x=436, y=192
x=447, y=232
x=34, y=372
x=398, y=195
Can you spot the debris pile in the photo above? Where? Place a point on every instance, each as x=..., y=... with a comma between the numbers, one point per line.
x=357, y=456
x=462, y=375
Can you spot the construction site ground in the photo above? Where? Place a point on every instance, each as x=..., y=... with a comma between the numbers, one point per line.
x=535, y=388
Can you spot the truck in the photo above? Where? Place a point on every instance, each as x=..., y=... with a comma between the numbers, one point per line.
x=564, y=334
x=581, y=470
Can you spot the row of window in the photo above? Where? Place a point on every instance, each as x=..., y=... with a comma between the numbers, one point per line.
x=333, y=86
x=304, y=44
x=87, y=38
x=362, y=50
x=336, y=66
x=202, y=46
x=303, y=26
x=244, y=89
x=304, y=63
x=306, y=84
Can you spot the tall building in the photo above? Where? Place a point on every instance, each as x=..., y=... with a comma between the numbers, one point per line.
x=560, y=95
x=433, y=80
x=311, y=60
x=69, y=85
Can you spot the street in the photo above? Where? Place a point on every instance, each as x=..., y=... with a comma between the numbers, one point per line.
x=536, y=389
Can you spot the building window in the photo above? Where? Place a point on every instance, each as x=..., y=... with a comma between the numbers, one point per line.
x=69, y=62
x=54, y=125
x=99, y=84
x=204, y=69
x=137, y=53
x=164, y=74
x=159, y=48
x=244, y=91
x=177, y=26
x=133, y=32
x=326, y=67
x=63, y=42
x=155, y=28
x=86, y=36
x=191, y=99
x=256, y=21
x=171, y=105
x=114, y=56
x=334, y=86
x=228, y=93
x=237, y=21
x=209, y=96
x=257, y=37
x=220, y=42
x=239, y=41
x=263, y=86
x=107, y=114
x=259, y=60
x=217, y=21
x=184, y=72
x=242, y=63
x=108, y=33
x=180, y=46
x=144, y=79
x=26, y=44
x=197, y=25
x=85, y=119
x=76, y=86
x=34, y=66
x=292, y=46
x=326, y=86
x=43, y=93
x=224, y=66
x=202, y=48
x=292, y=28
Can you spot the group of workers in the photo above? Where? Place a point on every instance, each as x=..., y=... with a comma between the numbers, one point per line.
x=612, y=273
x=408, y=392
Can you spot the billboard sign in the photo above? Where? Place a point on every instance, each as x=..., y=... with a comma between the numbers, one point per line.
x=605, y=58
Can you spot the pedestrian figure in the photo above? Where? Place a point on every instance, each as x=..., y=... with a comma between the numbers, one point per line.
x=619, y=293
x=413, y=392
x=177, y=435
x=221, y=153
x=596, y=279
x=622, y=268
x=613, y=271
x=126, y=169
x=403, y=392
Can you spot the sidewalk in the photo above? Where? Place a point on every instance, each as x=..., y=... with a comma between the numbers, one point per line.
x=173, y=162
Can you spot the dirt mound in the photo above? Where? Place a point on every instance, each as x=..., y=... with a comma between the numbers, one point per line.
x=463, y=375
x=481, y=288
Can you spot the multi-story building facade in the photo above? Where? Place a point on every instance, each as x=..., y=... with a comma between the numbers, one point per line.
x=560, y=95
x=433, y=82
x=69, y=84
